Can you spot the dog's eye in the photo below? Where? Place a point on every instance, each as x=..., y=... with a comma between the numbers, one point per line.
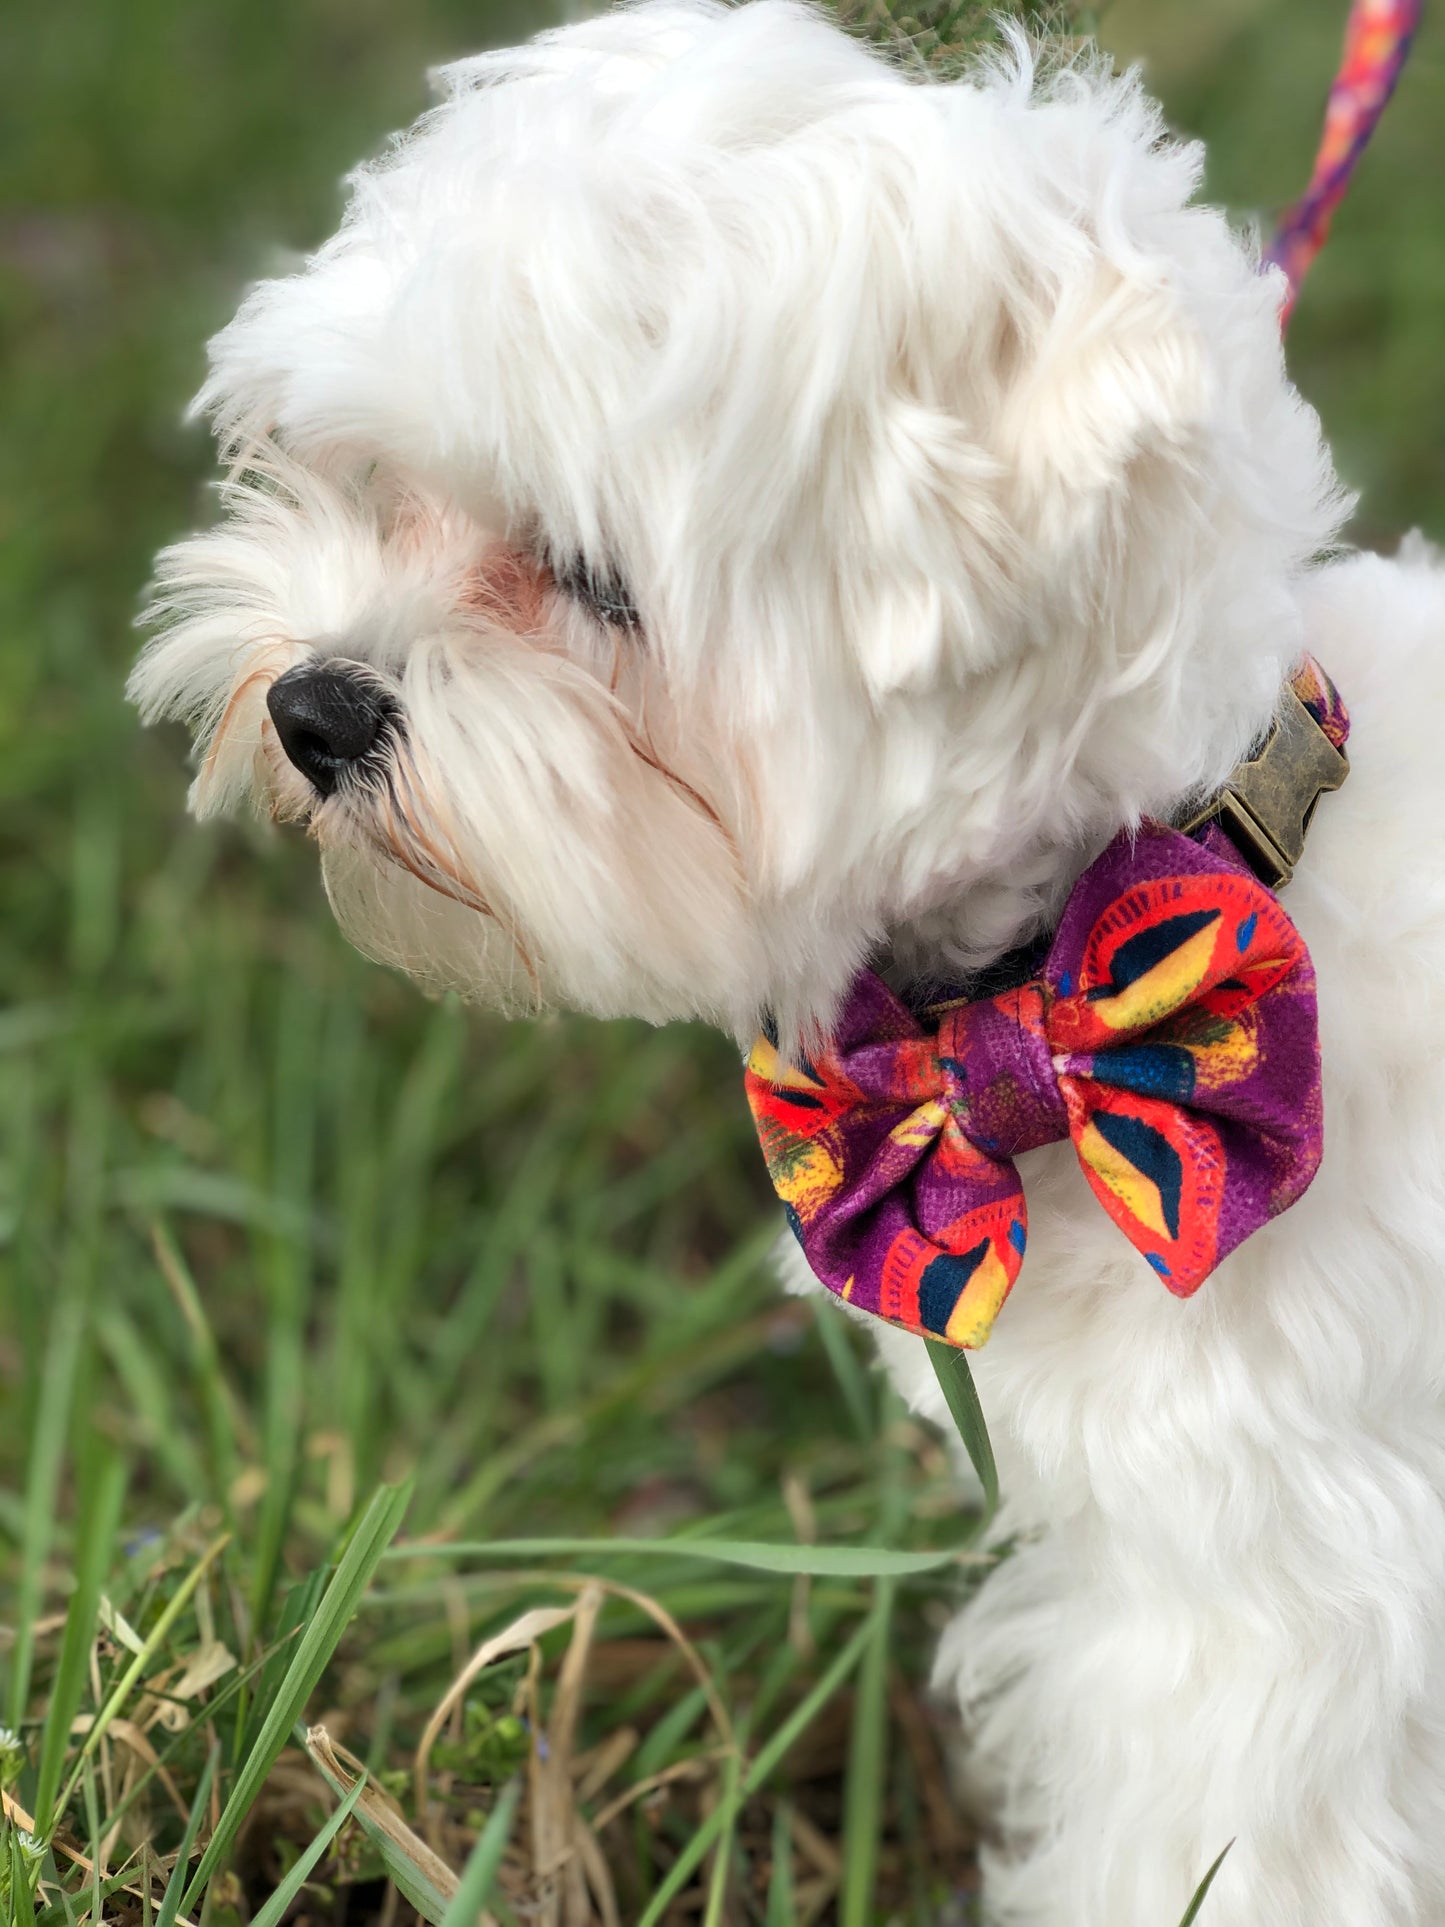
x=600, y=591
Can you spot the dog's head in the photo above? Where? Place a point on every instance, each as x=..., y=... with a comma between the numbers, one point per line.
x=721, y=502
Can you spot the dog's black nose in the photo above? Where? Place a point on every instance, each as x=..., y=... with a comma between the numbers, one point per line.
x=327, y=718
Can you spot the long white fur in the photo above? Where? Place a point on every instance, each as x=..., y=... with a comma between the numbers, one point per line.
x=948, y=453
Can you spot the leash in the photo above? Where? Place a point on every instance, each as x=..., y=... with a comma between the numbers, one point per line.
x=1377, y=42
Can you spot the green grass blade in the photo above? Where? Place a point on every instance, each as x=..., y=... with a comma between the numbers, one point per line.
x=92, y=1821
x=271, y=1914
x=782, y=1908
x=865, y=1794
x=176, y=1886
x=45, y=1451
x=97, y=1521
x=961, y=1393
x=149, y=1381
x=808, y=1708
x=298, y=1609
x=280, y=1451
x=23, y=1872
x=662, y=1742
x=142, y=1661
x=378, y=1528
x=723, y=1851
x=287, y=1279
x=218, y=1403
x=413, y=1886
x=754, y=1555
x=167, y=1756
x=757, y=1774
x=479, y=1875
x=59, y=1911
x=410, y=1879
x=848, y=1370
x=1201, y=1892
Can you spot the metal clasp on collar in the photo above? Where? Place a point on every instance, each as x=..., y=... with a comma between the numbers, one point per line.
x=1266, y=806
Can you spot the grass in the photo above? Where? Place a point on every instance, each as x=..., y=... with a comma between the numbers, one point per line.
x=345, y=1338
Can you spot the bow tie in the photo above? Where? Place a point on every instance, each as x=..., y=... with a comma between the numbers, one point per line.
x=1171, y=1034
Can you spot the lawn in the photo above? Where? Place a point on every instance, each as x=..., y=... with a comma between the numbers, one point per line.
x=318, y=1300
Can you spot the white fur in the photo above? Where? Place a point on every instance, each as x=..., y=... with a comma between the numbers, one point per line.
x=1227, y=1618
x=948, y=455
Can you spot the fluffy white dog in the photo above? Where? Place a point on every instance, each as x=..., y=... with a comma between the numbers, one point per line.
x=723, y=509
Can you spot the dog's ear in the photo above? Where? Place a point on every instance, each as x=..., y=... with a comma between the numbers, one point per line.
x=1094, y=397
x=1103, y=387
x=1054, y=328
x=933, y=585
x=1068, y=430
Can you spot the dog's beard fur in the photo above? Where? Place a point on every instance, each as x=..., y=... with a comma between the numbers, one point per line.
x=945, y=450
x=517, y=833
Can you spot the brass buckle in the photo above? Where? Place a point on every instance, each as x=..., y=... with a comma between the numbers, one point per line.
x=1266, y=806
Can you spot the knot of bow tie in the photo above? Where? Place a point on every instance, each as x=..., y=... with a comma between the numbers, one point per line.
x=1171, y=1034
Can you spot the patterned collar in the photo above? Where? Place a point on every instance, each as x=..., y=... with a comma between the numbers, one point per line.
x=1264, y=807
x=1168, y=1028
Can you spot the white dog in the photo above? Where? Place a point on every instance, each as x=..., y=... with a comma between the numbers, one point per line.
x=723, y=509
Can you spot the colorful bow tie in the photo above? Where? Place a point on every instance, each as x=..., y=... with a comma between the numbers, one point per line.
x=1171, y=1034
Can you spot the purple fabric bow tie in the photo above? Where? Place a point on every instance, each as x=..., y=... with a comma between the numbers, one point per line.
x=1171, y=1034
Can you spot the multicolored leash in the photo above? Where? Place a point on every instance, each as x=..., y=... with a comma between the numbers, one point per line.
x=1377, y=41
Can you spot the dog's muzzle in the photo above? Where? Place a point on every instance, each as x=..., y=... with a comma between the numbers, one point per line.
x=328, y=719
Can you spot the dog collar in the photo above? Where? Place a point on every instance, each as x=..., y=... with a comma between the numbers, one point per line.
x=1266, y=806
x=1170, y=1032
